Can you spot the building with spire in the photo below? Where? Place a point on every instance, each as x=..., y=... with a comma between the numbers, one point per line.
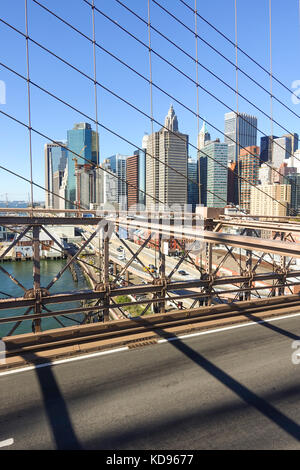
x=170, y=149
x=203, y=137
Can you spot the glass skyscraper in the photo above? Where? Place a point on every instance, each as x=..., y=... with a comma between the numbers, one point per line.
x=242, y=130
x=214, y=174
x=117, y=164
x=193, y=188
x=84, y=142
x=55, y=164
x=266, y=145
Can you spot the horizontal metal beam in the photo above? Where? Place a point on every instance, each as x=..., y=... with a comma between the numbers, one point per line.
x=243, y=307
x=22, y=220
x=274, y=227
x=12, y=303
x=207, y=236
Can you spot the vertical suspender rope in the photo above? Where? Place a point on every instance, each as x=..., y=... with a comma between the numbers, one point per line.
x=29, y=104
x=95, y=84
x=154, y=162
x=271, y=77
x=197, y=91
x=97, y=135
x=237, y=104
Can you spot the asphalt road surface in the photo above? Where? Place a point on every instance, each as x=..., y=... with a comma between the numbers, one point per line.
x=231, y=389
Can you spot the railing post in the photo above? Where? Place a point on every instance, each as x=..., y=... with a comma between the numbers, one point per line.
x=249, y=260
x=162, y=270
x=208, y=269
x=36, y=276
x=105, y=273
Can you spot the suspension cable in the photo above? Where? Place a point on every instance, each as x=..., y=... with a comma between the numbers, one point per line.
x=239, y=48
x=138, y=110
x=142, y=76
x=126, y=140
x=145, y=78
x=222, y=55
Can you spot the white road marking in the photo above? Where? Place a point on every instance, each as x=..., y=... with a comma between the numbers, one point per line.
x=225, y=328
x=62, y=361
x=125, y=348
x=8, y=442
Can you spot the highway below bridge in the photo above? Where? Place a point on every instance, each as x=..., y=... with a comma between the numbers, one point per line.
x=230, y=388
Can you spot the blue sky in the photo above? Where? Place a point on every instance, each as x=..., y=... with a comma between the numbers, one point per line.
x=54, y=119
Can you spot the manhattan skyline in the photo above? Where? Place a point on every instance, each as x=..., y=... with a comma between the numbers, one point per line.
x=53, y=119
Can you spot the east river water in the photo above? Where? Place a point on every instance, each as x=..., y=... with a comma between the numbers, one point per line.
x=22, y=271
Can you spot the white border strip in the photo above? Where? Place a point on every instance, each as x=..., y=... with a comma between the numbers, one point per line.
x=8, y=442
x=126, y=348
x=63, y=361
x=232, y=327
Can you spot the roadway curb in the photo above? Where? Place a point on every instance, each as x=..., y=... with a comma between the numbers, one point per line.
x=132, y=341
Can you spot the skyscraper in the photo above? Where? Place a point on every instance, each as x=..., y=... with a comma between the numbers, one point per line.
x=282, y=150
x=249, y=166
x=110, y=185
x=214, y=174
x=84, y=142
x=117, y=164
x=203, y=136
x=55, y=164
x=132, y=177
x=240, y=131
x=136, y=178
x=266, y=146
x=294, y=138
x=171, y=148
x=193, y=189
x=270, y=199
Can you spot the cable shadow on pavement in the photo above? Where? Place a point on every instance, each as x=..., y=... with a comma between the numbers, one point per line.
x=249, y=397
x=266, y=324
x=55, y=406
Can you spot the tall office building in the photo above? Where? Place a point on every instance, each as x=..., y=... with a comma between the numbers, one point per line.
x=270, y=199
x=242, y=130
x=84, y=142
x=233, y=183
x=55, y=164
x=266, y=146
x=170, y=147
x=294, y=138
x=214, y=174
x=203, y=139
x=89, y=186
x=132, y=177
x=117, y=164
x=136, y=178
x=294, y=180
x=282, y=150
x=110, y=185
x=193, y=188
x=249, y=166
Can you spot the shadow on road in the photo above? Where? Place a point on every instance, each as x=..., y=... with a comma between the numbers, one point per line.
x=55, y=406
x=61, y=424
x=268, y=410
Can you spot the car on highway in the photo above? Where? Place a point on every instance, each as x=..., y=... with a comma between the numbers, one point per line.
x=183, y=273
x=150, y=268
x=120, y=248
